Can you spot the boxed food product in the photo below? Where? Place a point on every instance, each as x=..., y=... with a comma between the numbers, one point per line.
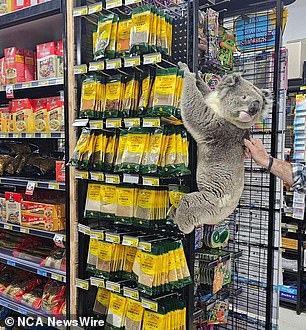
x=43, y=215
x=6, y=6
x=22, y=115
x=55, y=106
x=60, y=171
x=29, y=65
x=2, y=209
x=60, y=58
x=2, y=73
x=46, y=60
x=13, y=65
x=13, y=207
x=20, y=4
x=40, y=114
x=5, y=119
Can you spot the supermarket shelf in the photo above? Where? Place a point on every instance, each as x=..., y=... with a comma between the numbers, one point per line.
x=31, y=266
x=35, y=84
x=33, y=231
x=55, y=135
x=42, y=184
x=30, y=14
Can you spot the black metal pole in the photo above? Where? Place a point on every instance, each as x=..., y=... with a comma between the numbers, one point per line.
x=67, y=179
x=274, y=143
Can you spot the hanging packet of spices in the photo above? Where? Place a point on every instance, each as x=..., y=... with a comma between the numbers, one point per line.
x=125, y=204
x=123, y=37
x=102, y=301
x=80, y=147
x=92, y=255
x=113, y=97
x=84, y=163
x=104, y=260
x=163, y=35
x=128, y=98
x=134, y=315
x=145, y=92
x=110, y=51
x=121, y=147
x=116, y=311
x=99, y=151
x=108, y=199
x=88, y=97
x=92, y=206
x=153, y=321
x=111, y=145
x=104, y=31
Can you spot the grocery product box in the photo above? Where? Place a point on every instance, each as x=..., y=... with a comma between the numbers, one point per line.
x=29, y=65
x=55, y=106
x=13, y=207
x=2, y=209
x=2, y=73
x=60, y=58
x=40, y=115
x=20, y=4
x=60, y=171
x=5, y=119
x=46, y=60
x=6, y=6
x=45, y=216
x=22, y=115
x=13, y=65
x=289, y=243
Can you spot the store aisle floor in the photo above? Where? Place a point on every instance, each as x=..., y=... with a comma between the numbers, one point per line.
x=288, y=319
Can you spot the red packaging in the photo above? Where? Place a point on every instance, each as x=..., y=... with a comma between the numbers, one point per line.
x=22, y=115
x=40, y=114
x=2, y=73
x=14, y=65
x=60, y=171
x=60, y=58
x=29, y=65
x=46, y=60
x=20, y=4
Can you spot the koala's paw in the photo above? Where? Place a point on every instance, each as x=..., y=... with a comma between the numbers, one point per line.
x=184, y=67
x=183, y=216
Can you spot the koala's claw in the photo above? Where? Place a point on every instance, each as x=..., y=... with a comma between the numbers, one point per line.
x=184, y=67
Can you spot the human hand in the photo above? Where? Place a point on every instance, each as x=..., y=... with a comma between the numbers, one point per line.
x=257, y=151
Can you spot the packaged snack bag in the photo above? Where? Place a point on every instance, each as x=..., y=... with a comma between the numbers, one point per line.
x=14, y=65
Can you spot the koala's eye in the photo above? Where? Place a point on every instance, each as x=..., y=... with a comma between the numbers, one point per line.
x=244, y=97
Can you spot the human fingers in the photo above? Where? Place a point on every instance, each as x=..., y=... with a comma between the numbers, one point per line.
x=249, y=144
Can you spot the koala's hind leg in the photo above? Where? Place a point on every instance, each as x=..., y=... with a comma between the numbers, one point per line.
x=194, y=209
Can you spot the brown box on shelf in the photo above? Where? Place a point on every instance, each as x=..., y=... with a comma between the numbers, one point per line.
x=38, y=222
x=13, y=65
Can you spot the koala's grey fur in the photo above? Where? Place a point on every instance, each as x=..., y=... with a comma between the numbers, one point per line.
x=218, y=121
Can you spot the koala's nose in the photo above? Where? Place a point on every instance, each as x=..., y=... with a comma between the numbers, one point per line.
x=254, y=107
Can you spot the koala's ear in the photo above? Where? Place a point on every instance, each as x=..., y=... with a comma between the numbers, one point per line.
x=268, y=102
x=230, y=80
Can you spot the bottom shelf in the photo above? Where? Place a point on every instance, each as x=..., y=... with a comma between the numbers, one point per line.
x=43, y=317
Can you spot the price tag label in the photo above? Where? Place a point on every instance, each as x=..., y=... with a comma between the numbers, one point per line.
x=96, y=124
x=11, y=263
x=130, y=62
x=130, y=2
x=43, y=83
x=16, y=135
x=113, y=123
x=97, y=282
x=152, y=58
x=80, y=11
x=42, y=272
x=97, y=176
x=302, y=88
x=81, y=175
x=97, y=234
x=113, y=4
x=131, y=293
x=84, y=229
x=9, y=90
x=95, y=8
x=112, y=286
x=145, y=246
x=130, y=241
x=149, y=304
x=150, y=181
x=96, y=66
x=82, y=284
x=57, y=277
x=79, y=69
x=151, y=122
x=292, y=230
x=3, y=135
x=54, y=186
x=8, y=227
x=30, y=135
x=59, y=240
x=26, y=85
x=30, y=188
x=131, y=178
x=25, y=230
x=112, y=238
x=113, y=64
x=112, y=178
x=131, y=122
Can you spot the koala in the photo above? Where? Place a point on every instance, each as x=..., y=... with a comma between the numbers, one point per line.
x=219, y=121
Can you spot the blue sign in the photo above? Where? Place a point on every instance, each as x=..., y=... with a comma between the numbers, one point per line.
x=255, y=32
